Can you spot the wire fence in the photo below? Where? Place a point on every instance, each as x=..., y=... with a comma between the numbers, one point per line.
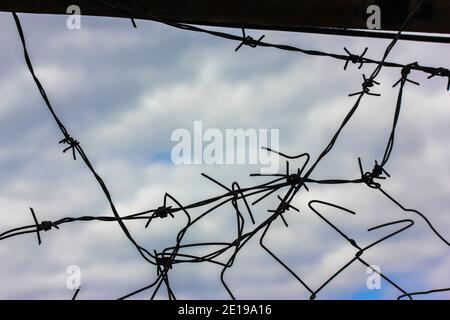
x=243, y=199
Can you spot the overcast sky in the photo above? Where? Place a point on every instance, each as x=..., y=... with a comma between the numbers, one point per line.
x=122, y=91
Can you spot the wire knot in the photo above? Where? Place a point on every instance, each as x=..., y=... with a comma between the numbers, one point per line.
x=163, y=261
x=43, y=226
x=162, y=213
x=282, y=208
x=369, y=179
x=376, y=173
x=442, y=72
x=354, y=58
x=294, y=179
x=46, y=226
x=366, y=85
x=248, y=41
x=406, y=70
x=73, y=144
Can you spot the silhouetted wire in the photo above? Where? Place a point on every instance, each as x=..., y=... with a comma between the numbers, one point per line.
x=238, y=197
x=360, y=251
x=129, y=11
x=75, y=145
x=76, y=294
x=422, y=293
x=247, y=40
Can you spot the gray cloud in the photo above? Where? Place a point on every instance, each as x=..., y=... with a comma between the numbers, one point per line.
x=122, y=91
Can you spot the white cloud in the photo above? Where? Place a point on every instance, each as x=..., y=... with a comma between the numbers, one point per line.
x=300, y=95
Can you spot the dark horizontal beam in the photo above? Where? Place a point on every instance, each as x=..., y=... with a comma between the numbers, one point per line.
x=260, y=14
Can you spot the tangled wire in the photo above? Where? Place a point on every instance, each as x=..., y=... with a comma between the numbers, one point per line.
x=242, y=199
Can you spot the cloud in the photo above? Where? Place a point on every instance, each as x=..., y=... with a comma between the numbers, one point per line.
x=122, y=91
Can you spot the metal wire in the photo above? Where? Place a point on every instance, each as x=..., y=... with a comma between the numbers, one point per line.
x=243, y=199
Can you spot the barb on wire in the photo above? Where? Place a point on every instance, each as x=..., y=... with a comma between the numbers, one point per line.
x=234, y=199
x=248, y=41
x=232, y=37
x=355, y=59
x=284, y=206
x=162, y=212
x=73, y=144
x=369, y=178
x=406, y=70
x=43, y=226
x=366, y=85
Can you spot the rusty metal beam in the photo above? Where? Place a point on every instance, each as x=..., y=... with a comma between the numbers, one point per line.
x=261, y=14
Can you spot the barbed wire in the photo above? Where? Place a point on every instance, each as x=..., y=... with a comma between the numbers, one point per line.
x=243, y=199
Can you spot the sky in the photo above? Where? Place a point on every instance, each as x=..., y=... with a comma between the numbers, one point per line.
x=122, y=92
